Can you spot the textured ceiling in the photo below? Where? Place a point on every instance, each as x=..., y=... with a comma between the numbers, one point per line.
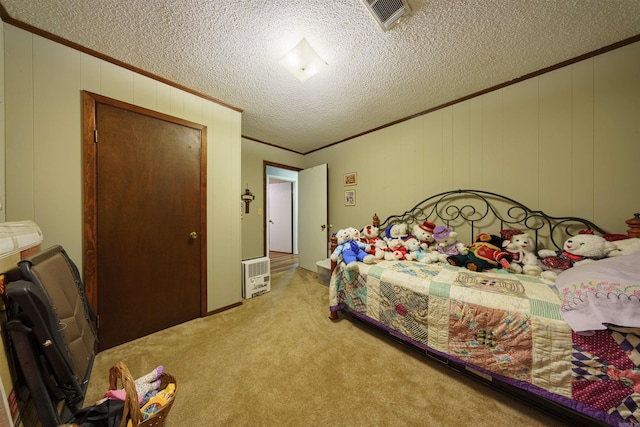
x=229, y=50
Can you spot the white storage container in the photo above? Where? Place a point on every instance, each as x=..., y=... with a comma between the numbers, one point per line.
x=324, y=271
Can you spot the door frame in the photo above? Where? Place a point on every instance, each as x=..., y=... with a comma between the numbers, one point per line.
x=265, y=191
x=90, y=220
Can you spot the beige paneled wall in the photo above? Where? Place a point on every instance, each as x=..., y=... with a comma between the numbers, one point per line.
x=43, y=82
x=566, y=142
x=253, y=155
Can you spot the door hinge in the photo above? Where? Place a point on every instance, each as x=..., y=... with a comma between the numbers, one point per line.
x=95, y=136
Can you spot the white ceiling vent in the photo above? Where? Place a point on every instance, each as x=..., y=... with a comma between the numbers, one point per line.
x=387, y=13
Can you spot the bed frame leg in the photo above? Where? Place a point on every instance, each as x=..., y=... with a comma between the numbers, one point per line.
x=333, y=315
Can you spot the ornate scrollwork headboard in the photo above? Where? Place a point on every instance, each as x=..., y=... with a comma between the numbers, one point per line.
x=470, y=212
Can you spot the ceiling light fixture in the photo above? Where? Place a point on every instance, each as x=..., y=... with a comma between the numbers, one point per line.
x=302, y=61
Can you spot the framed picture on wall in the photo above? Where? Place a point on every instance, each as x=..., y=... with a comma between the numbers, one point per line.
x=351, y=178
x=349, y=197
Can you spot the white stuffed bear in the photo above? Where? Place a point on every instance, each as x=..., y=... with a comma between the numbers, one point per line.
x=521, y=247
x=424, y=234
x=415, y=251
x=447, y=244
x=350, y=250
x=355, y=233
x=396, y=231
x=396, y=250
x=581, y=248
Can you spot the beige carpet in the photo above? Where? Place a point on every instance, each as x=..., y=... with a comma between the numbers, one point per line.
x=277, y=360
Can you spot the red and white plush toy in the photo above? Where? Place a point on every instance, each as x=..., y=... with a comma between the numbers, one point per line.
x=521, y=246
x=447, y=245
x=583, y=247
x=370, y=236
x=396, y=252
x=424, y=234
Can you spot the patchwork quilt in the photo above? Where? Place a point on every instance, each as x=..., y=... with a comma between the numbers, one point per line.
x=504, y=325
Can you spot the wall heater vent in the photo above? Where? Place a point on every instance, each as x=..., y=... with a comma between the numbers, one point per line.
x=256, y=277
x=387, y=13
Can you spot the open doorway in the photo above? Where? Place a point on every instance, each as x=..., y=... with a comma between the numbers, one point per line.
x=281, y=208
x=310, y=211
x=280, y=215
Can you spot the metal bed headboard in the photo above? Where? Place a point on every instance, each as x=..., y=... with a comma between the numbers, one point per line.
x=483, y=211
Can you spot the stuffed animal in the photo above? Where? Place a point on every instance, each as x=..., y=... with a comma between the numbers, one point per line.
x=396, y=251
x=424, y=234
x=355, y=233
x=398, y=230
x=521, y=247
x=447, y=244
x=370, y=236
x=350, y=250
x=485, y=253
x=415, y=251
x=583, y=247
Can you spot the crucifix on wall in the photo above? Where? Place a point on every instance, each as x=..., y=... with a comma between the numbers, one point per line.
x=247, y=198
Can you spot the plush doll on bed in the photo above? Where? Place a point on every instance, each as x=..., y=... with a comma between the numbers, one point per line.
x=350, y=250
x=583, y=247
x=396, y=250
x=483, y=254
x=370, y=235
x=415, y=251
x=424, y=234
x=447, y=244
x=355, y=233
x=398, y=230
x=521, y=246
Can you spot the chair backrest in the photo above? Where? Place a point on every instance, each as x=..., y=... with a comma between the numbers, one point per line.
x=53, y=270
x=31, y=314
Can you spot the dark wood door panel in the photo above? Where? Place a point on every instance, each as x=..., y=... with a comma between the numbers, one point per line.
x=149, y=228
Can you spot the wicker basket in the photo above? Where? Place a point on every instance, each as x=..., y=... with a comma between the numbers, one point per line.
x=131, y=409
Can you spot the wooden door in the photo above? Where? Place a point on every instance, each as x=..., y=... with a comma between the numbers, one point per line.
x=148, y=199
x=313, y=216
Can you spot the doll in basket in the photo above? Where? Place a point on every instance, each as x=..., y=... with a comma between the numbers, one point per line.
x=145, y=386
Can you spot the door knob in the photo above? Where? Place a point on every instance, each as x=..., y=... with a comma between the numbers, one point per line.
x=193, y=235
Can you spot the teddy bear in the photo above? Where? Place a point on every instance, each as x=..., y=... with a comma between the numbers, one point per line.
x=424, y=234
x=483, y=254
x=396, y=250
x=415, y=251
x=521, y=247
x=447, y=244
x=355, y=233
x=579, y=249
x=350, y=250
x=398, y=230
x=370, y=236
